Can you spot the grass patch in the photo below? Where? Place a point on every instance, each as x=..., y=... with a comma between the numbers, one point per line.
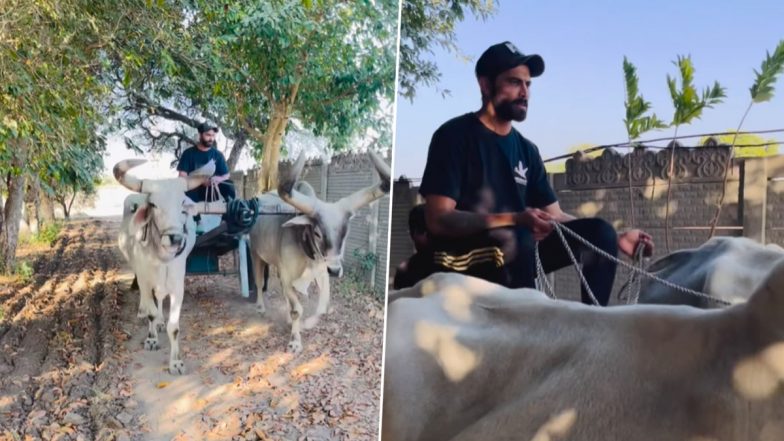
x=45, y=236
x=355, y=282
x=24, y=272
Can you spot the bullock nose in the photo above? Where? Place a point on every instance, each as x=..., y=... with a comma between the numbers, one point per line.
x=335, y=271
x=175, y=239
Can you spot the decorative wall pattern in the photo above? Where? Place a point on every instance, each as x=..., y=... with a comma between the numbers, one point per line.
x=612, y=168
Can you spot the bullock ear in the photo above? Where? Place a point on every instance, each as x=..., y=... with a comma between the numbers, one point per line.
x=298, y=220
x=142, y=215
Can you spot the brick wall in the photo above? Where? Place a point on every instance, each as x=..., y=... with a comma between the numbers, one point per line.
x=404, y=197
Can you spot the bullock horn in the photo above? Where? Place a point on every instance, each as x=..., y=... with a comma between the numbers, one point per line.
x=367, y=195
x=207, y=169
x=196, y=181
x=120, y=173
x=201, y=175
x=286, y=190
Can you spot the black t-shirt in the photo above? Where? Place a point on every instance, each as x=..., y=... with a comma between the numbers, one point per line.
x=483, y=171
x=486, y=173
x=193, y=158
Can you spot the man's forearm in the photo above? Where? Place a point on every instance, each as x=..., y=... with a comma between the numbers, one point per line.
x=458, y=223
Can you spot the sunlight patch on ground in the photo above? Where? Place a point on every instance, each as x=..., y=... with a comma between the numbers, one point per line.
x=312, y=367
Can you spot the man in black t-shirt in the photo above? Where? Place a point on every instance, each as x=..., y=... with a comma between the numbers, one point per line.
x=485, y=184
x=193, y=158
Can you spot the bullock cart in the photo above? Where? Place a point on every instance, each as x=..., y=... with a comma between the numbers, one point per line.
x=224, y=229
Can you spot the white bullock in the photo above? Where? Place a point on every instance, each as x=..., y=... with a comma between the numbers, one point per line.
x=156, y=236
x=469, y=360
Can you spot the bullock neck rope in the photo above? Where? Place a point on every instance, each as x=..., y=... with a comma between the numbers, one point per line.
x=631, y=289
x=157, y=233
x=638, y=270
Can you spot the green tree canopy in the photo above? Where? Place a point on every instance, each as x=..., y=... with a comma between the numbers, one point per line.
x=252, y=67
x=52, y=96
x=426, y=25
x=73, y=70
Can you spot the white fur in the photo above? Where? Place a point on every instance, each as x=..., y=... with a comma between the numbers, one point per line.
x=158, y=271
x=469, y=360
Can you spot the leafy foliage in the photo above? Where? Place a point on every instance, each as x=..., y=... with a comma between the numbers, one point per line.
x=49, y=233
x=74, y=69
x=330, y=66
x=24, y=271
x=772, y=66
x=78, y=171
x=761, y=91
x=688, y=104
x=636, y=121
x=357, y=276
x=252, y=67
x=428, y=24
x=44, y=236
x=52, y=96
x=743, y=143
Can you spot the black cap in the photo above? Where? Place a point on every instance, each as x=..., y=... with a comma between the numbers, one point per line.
x=504, y=56
x=206, y=127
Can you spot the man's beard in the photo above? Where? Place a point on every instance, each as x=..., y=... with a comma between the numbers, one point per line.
x=510, y=110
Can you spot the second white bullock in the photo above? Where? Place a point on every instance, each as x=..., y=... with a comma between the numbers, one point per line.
x=307, y=246
x=727, y=268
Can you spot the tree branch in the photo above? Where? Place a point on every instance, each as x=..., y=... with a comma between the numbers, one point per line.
x=141, y=102
x=165, y=136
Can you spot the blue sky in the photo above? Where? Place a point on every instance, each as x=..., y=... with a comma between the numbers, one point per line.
x=579, y=99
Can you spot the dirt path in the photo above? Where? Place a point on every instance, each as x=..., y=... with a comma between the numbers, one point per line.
x=73, y=367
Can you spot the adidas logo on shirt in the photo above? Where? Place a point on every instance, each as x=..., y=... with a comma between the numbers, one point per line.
x=520, y=174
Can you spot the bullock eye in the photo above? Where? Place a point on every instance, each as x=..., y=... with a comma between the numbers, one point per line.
x=152, y=205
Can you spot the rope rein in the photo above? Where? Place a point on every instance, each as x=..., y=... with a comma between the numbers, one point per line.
x=635, y=269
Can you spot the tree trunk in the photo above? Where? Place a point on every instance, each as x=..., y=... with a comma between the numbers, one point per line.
x=236, y=149
x=268, y=179
x=28, y=216
x=281, y=113
x=70, y=204
x=2, y=209
x=9, y=236
x=31, y=205
x=61, y=200
x=45, y=209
